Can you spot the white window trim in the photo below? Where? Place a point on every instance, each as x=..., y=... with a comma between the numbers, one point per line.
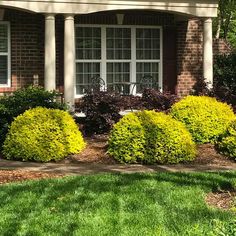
x=133, y=59
x=8, y=54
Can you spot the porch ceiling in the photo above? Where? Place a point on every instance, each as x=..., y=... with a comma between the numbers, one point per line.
x=200, y=8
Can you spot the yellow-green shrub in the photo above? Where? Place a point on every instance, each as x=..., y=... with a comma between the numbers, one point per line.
x=150, y=137
x=42, y=134
x=205, y=117
x=227, y=144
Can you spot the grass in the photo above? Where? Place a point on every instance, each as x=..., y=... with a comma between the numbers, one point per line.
x=122, y=204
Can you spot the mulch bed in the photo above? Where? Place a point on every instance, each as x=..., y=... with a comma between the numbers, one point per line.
x=96, y=152
x=7, y=176
x=207, y=155
x=224, y=200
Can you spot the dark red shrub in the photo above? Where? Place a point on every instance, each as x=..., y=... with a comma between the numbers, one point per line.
x=153, y=99
x=101, y=110
x=200, y=88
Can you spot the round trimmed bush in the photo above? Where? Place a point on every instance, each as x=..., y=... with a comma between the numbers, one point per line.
x=42, y=134
x=150, y=137
x=205, y=117
x=227, y=144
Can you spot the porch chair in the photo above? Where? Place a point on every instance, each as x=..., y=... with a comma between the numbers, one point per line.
x=146, y=82
x=97, y=84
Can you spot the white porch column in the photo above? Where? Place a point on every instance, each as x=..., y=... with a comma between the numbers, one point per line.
x=50, y=53
x=208, y=51
x=69, y=61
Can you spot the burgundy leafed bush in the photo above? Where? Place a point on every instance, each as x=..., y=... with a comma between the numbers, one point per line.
x=200, y=88
x=153, y=99
x=101, y=110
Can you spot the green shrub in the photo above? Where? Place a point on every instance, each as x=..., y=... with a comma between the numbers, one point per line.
x=42, y=134
x=205, y=117
x=150, y=137
x=224, y=86
x=227, y=143
x=21, y=100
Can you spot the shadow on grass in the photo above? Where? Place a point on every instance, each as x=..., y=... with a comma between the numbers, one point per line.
x=90, y=194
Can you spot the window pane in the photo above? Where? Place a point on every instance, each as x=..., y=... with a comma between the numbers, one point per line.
x=118, y=43
x=147, y=44
x=147, y=69
x=3, y=70
x=84, y=73
x=88, y=43
x=3, y=38
x=117, y=73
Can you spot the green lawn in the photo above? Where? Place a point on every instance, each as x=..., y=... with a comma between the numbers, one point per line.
x=115, y=204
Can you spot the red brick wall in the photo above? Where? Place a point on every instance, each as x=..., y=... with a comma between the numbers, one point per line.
x=27, y=48
x=190, y=52
x=169, y=59
x=189, y=55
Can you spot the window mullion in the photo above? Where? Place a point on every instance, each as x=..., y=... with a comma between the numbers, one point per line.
x=133, y=56
x=160, y=81
x=104, y=54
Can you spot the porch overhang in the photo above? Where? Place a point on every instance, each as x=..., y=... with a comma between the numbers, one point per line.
x=198, y=8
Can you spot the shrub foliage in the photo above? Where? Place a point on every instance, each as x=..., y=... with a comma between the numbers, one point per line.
x=42, y=134
x=22, y=100
x=200, y=88
x=227, y=143
x=204, y=117
x=150, y=137
x=101, y=110
x=153, y=99
x=225, y=78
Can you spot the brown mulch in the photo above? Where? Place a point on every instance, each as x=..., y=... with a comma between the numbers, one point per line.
x=224, y=200
x=7, y=176
x=207, y=155
x=96, y=152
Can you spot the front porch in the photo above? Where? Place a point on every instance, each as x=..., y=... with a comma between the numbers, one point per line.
x=64, y=51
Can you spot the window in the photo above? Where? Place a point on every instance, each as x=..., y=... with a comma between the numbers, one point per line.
x=4, y=54
x=117, y=54
x=88, y=56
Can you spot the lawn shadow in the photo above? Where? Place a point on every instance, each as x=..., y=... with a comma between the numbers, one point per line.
x=90, y=193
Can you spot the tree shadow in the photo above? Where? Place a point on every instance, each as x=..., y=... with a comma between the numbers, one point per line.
x=88, y=194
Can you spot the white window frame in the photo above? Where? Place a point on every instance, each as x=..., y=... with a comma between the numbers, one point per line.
x=8, y=54
x=103, y=62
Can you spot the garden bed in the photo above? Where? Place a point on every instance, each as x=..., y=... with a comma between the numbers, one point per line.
x=96, y=152
x=222, y=199
x=7, y=176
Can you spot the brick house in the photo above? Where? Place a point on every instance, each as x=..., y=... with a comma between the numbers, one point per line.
x=61, y=44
